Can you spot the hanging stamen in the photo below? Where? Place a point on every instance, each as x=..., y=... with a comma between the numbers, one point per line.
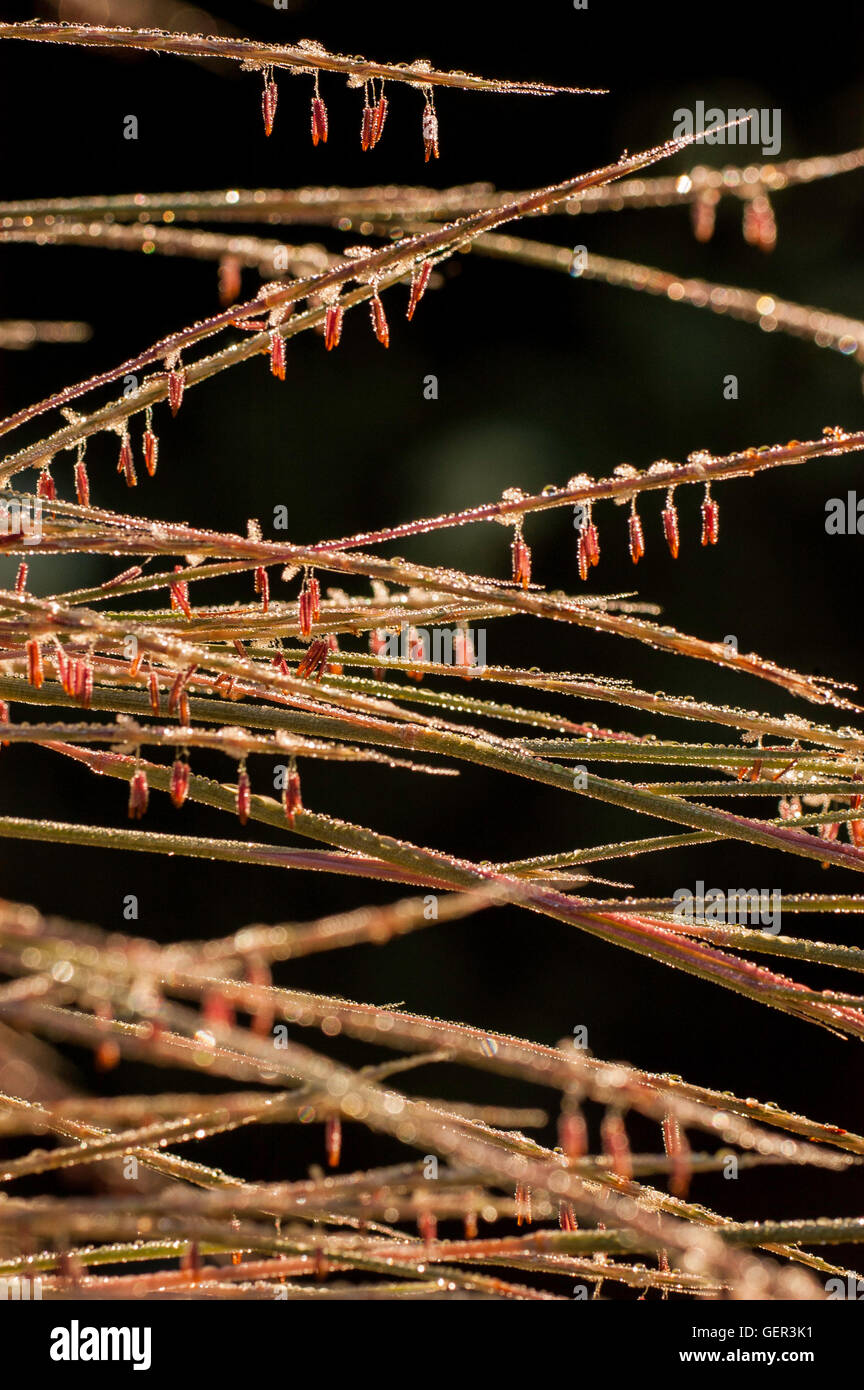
x=419, y=280
x=151, y=443
x=139, y=794
x=319, y=117
x=179, y=781
x=82, y=482
x=573, y=1132
x=670, y=524
x=309, y=605
x=710, y=518
x=315, y=660
x=176, y=386
x=21, y=578
x=520, y=555
x=45, y=487
x=35, y=673
x=277, y=354
x=637, y=539
x=368, y=121
x=126, y=463
x=292, y=799
x=379, y=320
x=379, y=117
x=180, y=595
x=430, y=129
x=244, y=794
x=269, y=98
x=333, y=1140
x=262, y=587
x=332, y=326
x=153, y=692
x=678, y=1149
x=613, y=1136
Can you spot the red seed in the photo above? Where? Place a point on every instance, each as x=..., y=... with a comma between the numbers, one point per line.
x=269, y=98
x=710, y=520
x=292, y=799
x=176, y=387
x=82, y=484
x=319, y=121
x=333, y=1140
x=333, y=326
x=379, y=321
x=520, y=555
x=419, y=281
x=244, y=795
x=151, y=451
x=430, y=132
x=637, y=539
x=670, y=527
x=179, y=782
x=45, y=487
x=35, y=673
x=277, y=354
x=139, y=794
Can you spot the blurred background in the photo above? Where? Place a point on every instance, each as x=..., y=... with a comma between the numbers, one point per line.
x=539, y=377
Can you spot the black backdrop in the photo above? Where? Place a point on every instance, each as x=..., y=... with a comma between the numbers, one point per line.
x=539, y=378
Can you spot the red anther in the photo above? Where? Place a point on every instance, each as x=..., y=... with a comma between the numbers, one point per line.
x=332, y=326
x=567, y=1217
x=151, y=451
x=35, y=674
x=463, y=648
x=333, y=1140
x=430, y=132
x=153, y=690
x=378, y=119
x=21, y=578
x=419, y=281
x=244, y=795
x=277, y=354
x=269, y=98
x=573, y=1133
x=678, y=1149
x=592, y=543
x=230, y=280
x=180, y=595
x=523, y=1204
x=703, y=216
x=379, y=321
x=176, y=387
x=281, y=665
x=69, y=676
x=469, y=1225
x=190, y=1262
x=126, y=463
x=179, y=782
x=315, y=660
x=84, y=681
x=319, y=121
x=829, y=831
x=334, y=668
x=82, y=484
x=309, y=607
x=759, y=226
x=520, y=555
x=135, y=665
x=582, y=556
x=107, y=1055
x=378, y=644
x=262, y=586
x=292, y=799
x=183, y=711
x=366, y=127
x=45, y=487
x=856, y=833
x=217, y=1010
x=4, y=719
x=637, y=539
x=613, y=1136
x=710, y=520
x=670, y=527
x=427, y=1225
x=139, y=794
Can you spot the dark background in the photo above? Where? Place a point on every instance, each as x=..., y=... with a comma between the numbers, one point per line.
x=539, y=378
